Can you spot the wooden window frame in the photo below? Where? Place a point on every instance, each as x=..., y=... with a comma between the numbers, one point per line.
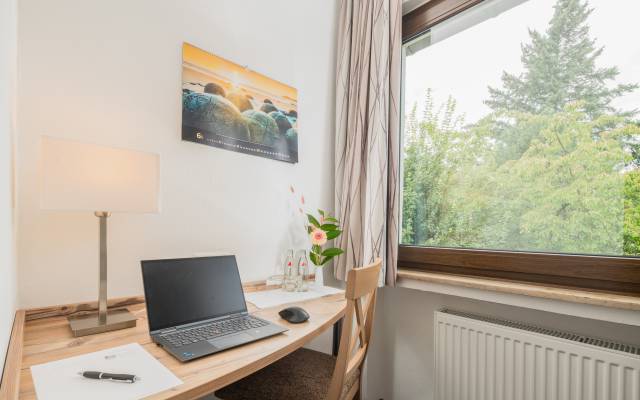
x=431, y=13
x=592, y=272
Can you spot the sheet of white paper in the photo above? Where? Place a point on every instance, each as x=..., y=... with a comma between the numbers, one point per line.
x=272, y=298
x=60, y=380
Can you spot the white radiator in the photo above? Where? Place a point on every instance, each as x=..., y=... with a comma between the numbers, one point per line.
x=479, y=358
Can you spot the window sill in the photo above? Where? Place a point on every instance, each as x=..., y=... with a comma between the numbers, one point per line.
x=583, y=303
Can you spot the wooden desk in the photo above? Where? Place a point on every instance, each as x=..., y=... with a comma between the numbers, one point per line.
x=49, y=339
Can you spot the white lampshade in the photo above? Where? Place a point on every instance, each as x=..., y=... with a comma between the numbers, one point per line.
x=85, y=177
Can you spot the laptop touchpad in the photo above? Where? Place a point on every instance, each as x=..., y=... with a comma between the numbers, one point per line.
x=231, y=340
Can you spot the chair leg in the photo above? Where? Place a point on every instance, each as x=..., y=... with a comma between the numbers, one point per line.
x=357, y=395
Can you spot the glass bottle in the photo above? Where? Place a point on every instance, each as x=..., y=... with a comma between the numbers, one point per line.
x=303, y=272
x=290, y=273
x=277, y=278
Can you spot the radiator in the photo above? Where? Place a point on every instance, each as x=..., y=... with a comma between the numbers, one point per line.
x=480, y=358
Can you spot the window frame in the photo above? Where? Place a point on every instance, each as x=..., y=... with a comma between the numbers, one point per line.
x=418, y=21
x=617, y=274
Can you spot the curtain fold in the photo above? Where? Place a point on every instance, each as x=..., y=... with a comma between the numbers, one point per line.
x=367, y=133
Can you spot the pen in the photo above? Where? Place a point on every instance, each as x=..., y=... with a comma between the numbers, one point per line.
x=105, y=376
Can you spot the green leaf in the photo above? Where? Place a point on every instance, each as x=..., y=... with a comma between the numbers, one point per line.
x=316, y=249
x=333, y=234
x=326, y=260
x=332, y=252
x=315, y=259
x=313, y=221
x=331, y=219
x=321, y=212
x=329, y=227
x=309, y=229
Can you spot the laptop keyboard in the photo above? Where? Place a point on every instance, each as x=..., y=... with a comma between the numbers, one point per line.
x=213, y=330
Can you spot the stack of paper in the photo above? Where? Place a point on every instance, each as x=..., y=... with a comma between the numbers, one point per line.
x=60, y=380
x=272, y=298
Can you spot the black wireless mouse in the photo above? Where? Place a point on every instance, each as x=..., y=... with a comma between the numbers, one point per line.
x=295, y=315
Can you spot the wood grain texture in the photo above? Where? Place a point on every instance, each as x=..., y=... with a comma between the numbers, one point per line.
x=78, y=309
x=49, y=339
x=10, y=384
x=613, y=274
x=362, y=285
x=549, y=292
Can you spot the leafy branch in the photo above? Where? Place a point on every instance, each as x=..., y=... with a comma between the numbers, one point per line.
x=321, y=230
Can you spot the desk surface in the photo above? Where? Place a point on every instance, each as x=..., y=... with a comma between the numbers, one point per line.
x=49, y=339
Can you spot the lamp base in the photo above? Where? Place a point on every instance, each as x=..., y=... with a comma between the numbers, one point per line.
x=90, y=324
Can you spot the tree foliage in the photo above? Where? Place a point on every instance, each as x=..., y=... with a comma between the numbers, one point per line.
x=560, y=68
x=554, y=167
x=632, y=213
x=565, y=194
x=568, y=192
x=429, y=154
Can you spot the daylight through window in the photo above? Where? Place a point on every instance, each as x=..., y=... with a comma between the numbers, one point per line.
x=522, y=129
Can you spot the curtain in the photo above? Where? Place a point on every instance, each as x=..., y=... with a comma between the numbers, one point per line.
x=367, y=134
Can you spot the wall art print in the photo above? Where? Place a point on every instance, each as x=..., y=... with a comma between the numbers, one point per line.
x=229, y=106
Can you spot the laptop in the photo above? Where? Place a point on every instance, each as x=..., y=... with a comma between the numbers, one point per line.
x=196, y=306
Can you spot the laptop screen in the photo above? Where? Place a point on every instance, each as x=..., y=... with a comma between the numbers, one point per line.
x=185, y=290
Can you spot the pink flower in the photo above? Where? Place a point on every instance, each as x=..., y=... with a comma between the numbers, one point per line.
x=318, y=237
x=302, y=199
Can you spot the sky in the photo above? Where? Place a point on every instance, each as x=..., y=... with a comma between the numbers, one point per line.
x=465, y=64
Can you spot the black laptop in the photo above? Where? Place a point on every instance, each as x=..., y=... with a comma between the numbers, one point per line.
x=196, y=306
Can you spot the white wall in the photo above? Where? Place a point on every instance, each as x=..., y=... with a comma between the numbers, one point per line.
x=109, y=72
x=8, y=21
x=401, y=361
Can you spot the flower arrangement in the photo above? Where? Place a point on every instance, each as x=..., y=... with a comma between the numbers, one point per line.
x=321, y=229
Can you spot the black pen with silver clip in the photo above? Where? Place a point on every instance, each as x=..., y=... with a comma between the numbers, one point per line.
x=105, y=376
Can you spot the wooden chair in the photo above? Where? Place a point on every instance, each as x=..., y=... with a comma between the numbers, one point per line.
x=306, y=374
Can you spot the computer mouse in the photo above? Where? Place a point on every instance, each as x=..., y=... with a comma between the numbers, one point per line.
x=295, y=315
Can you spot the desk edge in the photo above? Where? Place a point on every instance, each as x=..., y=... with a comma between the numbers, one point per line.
x=10, y=384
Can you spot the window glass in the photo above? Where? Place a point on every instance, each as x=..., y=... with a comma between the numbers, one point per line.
x=522, y=130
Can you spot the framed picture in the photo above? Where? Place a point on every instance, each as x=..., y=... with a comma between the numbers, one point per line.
x=229, y=106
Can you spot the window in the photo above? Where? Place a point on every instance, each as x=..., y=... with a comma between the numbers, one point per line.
x=521, y=141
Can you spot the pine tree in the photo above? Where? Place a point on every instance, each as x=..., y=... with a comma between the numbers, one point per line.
x=560, y=68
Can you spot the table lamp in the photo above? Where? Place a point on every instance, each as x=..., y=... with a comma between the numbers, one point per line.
x=85, y=177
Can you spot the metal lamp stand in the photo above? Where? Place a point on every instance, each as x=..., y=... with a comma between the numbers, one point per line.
x=104, y=320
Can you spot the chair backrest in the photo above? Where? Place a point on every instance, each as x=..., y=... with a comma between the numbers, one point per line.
x=362, y=284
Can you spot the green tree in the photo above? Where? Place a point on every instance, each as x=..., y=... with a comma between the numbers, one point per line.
x=632, y=213
x=429, y=158
x=554, y=167
x=567, y=191
x=560, y=68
